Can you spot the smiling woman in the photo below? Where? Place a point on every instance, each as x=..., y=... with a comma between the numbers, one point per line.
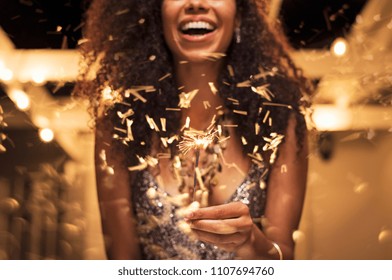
x=200, y=140
x=193, y=30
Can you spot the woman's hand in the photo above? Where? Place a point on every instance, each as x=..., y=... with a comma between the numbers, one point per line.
x=228, y=226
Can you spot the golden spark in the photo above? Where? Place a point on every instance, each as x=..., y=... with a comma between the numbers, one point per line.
x=272, y=144
x=213, y=88
x=186, y=98
x=263, y=91
x=196, y=140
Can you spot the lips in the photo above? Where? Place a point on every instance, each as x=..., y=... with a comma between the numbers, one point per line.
x=196, y=29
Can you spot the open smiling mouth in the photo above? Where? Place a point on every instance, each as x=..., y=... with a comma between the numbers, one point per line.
x=197, y=28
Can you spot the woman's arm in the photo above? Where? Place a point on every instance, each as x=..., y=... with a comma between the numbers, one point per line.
x=230, y=226
x=286, y=192
x=113, y=188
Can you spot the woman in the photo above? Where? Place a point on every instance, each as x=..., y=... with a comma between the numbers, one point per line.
x=200, y=143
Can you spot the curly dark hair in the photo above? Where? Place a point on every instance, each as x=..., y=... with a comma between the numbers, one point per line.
x=125, y=47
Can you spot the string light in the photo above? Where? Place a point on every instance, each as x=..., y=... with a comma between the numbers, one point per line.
x=5, y=73
x=327, y=118
x=21, y=99
x=38, y=77
x=46, y=135
x=339, y=47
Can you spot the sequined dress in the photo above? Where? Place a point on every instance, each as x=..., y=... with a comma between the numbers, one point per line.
x=158, y=221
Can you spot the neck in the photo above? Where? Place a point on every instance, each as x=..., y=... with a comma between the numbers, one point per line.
x=198, y=76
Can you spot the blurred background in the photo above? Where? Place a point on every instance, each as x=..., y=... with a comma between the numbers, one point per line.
x=48, y=204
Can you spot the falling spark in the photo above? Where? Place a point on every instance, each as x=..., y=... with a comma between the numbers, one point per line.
x=171, y=139
x=263, y=91
x=257, y=129
x=165, y=77
x=244, y=113
x=187, y=122
x=246, y=83
x=230, y=125
x=264, y=74
x=283, y=168
x=213, y=88
x=152, y=123
x=277, y=105
x=214, y=56
x=272, y=145
x=235, y=101
x=186, y=98
x=206, y=104
x=129, y=130
x=163, y=123
x=231, y=70
x=266, y=116
x=164, y=141
x=135, y=93
x=122, y=12
x=173, y=109
x=244, y=142
x=125, y=115
x=224, y=139
x=120, y=129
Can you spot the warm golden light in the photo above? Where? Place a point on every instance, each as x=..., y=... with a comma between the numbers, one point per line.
x=46, y=135
x=5, y=73
x=339, y=47
x=38, y=77
x=331, y=118
x=21, y=99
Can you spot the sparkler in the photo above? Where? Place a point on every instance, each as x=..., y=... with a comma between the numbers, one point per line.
x=186, y=98
x=196, y=140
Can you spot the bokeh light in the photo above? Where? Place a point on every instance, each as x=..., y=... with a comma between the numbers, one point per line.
x=21, y=99
x=339, y=47
x=46, y=135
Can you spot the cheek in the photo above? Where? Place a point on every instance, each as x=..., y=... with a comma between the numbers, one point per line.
x=166, y=27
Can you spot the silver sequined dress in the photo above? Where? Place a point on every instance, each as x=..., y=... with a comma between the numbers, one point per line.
x=158, y=222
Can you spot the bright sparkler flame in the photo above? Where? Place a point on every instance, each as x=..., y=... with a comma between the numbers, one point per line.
x=196, y=140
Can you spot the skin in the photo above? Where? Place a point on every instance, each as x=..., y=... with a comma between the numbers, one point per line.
x=228, y=226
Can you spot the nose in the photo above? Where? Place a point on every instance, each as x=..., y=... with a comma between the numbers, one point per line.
x=196, y=6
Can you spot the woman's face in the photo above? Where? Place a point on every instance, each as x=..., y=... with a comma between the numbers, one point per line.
x=195, y=28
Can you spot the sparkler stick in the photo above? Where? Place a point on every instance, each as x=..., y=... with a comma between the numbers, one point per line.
x=197, y=153
x=196, y=140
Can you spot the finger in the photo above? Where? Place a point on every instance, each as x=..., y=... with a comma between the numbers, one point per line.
x=224, y=211
x=184, y=211
x=226, y=226
x=215, y=226
x=219, y=239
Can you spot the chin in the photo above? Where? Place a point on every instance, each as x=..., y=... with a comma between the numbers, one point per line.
x=202, y=56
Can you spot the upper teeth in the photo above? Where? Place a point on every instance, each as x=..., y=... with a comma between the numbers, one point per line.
x=197, y=25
